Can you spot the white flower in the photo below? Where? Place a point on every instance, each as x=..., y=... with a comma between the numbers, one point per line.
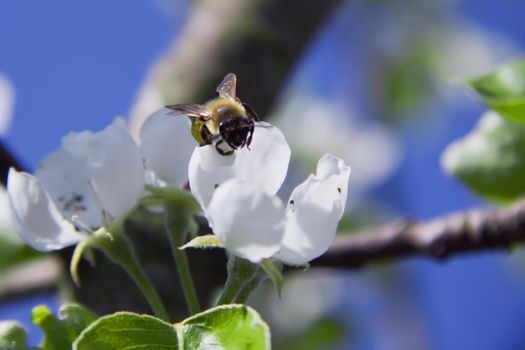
x=264, y=164
x=238, y=196
x=91, y=179
x=166, y=145
x=314, y=210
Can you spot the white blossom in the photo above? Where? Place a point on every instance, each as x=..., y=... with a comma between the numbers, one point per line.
x=238, y=197
x=263, y=165
x=92, y=179
x=314, y=210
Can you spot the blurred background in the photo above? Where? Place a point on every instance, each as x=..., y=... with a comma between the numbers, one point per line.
x=376, y=82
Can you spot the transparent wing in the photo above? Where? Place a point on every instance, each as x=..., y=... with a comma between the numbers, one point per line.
x=227, y=87
x=192, y=110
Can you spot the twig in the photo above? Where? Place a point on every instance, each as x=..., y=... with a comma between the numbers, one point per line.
x=457, y=233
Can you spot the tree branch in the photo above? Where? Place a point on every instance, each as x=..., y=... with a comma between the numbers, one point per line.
x=457, y=233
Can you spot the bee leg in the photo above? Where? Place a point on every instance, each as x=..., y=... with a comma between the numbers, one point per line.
x=233, y=146
x=250, y=135
x=205, y=134
x=223, y=152
x=250, y=112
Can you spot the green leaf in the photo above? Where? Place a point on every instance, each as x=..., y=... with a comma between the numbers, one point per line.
x=274, y=272
x=126, y=330
x=204, y=242
x=55, y=333
x=12, y=336
x=504, y=90
x=232, y=327
x=60, y=333
x=491, y=158
x=224, y=327
x=75, y=318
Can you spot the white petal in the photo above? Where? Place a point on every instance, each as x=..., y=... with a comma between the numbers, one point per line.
x=67, y=180
x=314, y=210
x=115, y=164
x=36, y=218
x=264, y=165
x=211, y=160
x=204, y=176
x=166, y=144
x=247, y=220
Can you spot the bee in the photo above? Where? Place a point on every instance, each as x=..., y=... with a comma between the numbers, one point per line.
x=224, y=121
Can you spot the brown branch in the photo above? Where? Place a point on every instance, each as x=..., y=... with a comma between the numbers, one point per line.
x=457, y=233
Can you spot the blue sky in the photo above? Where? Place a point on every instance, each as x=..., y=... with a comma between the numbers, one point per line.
x=75, y=65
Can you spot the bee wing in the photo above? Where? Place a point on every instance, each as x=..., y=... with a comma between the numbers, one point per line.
x=192, y=110
x=227, y=87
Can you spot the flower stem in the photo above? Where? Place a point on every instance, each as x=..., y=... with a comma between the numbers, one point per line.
x=240, y=272
x=120, y=250
x=176, y=224
x=249, y=287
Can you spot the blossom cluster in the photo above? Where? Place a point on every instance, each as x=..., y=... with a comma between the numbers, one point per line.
x=96, y=178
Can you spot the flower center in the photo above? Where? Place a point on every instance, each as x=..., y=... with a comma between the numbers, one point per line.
x=73, y=208
x=73, y=204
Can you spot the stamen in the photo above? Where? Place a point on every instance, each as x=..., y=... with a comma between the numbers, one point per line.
x=73, y=204
x=81, y=226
